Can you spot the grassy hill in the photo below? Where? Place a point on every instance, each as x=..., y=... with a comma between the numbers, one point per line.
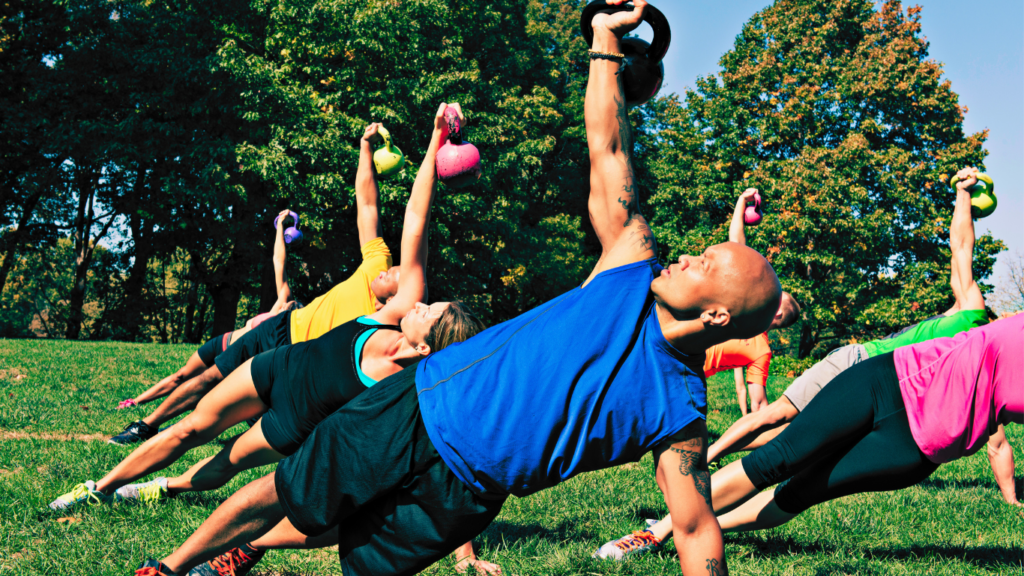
x=57, y=403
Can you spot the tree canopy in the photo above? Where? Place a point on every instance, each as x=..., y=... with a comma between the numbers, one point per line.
x=172, y=133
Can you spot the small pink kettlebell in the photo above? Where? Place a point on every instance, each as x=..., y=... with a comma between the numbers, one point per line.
x=458, y=162
x=752, y=215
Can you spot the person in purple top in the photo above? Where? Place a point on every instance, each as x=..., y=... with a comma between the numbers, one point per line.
x=884, y=424
x=597, y=377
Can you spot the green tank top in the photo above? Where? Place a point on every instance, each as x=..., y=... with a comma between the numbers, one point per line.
x=941, y=327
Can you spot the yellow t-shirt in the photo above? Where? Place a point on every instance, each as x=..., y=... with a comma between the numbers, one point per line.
x=346, y=301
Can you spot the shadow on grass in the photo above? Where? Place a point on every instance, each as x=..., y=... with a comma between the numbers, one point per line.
x=940, y=484
x=981, y=556
x=559, y=534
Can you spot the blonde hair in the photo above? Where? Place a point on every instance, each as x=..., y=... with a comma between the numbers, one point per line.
x=457, y=323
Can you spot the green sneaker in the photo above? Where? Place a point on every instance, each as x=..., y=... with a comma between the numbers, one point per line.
x=85, y=492
x=152, y=491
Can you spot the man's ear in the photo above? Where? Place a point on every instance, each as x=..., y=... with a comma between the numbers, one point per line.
x=717, y=317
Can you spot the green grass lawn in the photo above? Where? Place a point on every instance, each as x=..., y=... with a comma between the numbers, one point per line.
x=954, y=523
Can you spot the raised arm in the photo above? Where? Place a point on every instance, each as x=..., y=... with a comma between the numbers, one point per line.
x=961, y=244
x=367, y=214
x=412, y=278
x=614, y=204
x=736, y=227
x=682, y=473
x=284, y=292
x=1000, y=456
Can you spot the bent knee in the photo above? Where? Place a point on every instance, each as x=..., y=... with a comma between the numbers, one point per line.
x=193, y=430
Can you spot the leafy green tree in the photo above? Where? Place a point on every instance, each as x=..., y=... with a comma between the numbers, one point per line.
x=833, y=109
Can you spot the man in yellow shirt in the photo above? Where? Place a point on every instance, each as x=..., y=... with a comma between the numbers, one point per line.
x=366, y=291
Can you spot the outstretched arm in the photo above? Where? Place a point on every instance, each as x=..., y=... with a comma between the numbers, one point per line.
x=614, y=204
x=284, y=292
x=736, y=227
x=749, y=427
x=682, y=474
x=961, y=243
x=367, y=215
x=412, y=278
x=1000, y=456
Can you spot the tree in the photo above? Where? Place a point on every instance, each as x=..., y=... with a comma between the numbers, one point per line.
x=833, y=109
x=1009, y=292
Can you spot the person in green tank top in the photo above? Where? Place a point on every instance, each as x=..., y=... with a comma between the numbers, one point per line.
x=968, y=311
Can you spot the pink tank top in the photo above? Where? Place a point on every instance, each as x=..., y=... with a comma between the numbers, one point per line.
x=259, y=318
x=959, y=389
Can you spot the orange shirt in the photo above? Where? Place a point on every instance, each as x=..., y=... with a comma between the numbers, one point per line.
x=754, y=354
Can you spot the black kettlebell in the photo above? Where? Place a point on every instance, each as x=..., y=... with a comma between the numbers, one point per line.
x=642, y=70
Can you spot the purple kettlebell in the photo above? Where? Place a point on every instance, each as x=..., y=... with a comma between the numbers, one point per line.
x=292, y=233
x=752, y=215
x=458, y=162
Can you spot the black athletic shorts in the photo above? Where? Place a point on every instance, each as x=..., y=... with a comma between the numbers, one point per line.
x=273, y=332
x=208, y=352
x=303, y=384
x=371, y=469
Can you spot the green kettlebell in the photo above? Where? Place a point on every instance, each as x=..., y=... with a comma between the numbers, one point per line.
x=388, y=159
x=983, y=196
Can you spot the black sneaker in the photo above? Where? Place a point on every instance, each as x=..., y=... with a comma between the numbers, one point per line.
x=133, y=433
x=234, y=562
x=153, y=568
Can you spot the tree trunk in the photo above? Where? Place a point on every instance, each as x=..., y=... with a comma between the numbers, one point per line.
x=200, y=325
x=85, y=246
x=190, y=304
x=225, y=306
x=130, y=317
x=14, y=240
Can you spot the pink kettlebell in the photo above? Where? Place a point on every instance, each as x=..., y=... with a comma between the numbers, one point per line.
x=752, y=215
x=458, y=162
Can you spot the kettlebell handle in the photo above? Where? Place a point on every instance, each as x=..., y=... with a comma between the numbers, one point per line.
x=385, y=135
x=451, y=117
x=654, y=17
x=290, y=213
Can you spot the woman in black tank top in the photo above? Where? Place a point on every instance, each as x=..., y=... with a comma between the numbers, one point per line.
x=306, y=382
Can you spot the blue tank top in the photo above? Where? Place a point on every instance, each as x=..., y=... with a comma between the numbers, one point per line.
x=583, y=382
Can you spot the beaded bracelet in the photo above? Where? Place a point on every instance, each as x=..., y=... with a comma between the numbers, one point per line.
x=595, y=55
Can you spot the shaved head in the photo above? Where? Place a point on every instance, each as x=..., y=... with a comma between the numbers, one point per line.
x=730, y=288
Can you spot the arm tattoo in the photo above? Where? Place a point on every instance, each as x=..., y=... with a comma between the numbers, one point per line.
x=692, y=462
x=629, y=199
x=646, y=237
x=715, y=569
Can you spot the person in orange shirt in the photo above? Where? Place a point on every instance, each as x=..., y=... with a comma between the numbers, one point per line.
x=755, y=355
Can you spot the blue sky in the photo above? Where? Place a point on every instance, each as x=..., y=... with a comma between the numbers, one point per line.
x=980, y=44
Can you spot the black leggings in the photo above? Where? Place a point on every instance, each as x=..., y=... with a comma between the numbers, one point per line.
x=853, y=437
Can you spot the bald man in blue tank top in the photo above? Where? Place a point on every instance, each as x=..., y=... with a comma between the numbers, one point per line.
x=423, y=461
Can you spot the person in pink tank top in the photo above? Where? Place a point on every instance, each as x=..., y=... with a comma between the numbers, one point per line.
x=203, y=358
x=884, y=424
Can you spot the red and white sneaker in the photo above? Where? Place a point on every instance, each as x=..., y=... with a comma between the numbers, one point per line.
x=235, y=562
x=636, y=543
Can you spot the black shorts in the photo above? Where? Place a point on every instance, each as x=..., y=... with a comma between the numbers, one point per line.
x=273, y=332
x=303, y=384
x=208, y=352
x=371, y=468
